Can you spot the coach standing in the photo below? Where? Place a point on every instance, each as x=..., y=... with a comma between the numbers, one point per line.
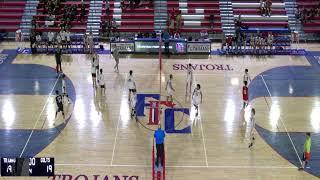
x=166, y=38
x=159, y=135
x=58, y=60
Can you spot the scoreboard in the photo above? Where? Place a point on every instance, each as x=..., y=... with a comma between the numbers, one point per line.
x=35, y=166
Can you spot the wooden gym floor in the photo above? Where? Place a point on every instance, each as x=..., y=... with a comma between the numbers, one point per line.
x=101, y=139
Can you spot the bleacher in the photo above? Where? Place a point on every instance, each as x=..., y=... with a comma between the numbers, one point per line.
x=11, y=13
x=312, y=26
x=254, y=21
x=77, y=26
x=131, y=20
x=196, y=15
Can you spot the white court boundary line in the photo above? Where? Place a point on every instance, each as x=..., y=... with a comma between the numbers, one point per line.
x=24, y=148
x=280, y=118
x=117, y=128
x=204, y=144
x=176, y=166
x=202, y=134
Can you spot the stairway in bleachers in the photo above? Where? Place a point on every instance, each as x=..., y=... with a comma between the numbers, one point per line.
x=227, y=18
x=255, y=22
x=311, y=27
x=198, y=16
x=11, y=13
x=94, y=17
x=29, y=11
x=294, y=23
x=160, y=15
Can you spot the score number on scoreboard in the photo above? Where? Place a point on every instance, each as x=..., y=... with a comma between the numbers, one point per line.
x=42, y=166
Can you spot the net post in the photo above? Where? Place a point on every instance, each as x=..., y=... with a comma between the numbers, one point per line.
x=152, y=166
x=164, y=164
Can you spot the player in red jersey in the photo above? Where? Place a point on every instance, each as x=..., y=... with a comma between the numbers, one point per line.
x=245, y=95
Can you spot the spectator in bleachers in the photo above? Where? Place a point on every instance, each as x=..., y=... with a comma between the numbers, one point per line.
x=229, y=42
x=252, y=41
x=68, y=38
x=223, y=41
x=91, y=43
x=150, y=4
x=122, y=4
x=243, y=40
x=104, y=27
x=58, y=38
x=109, y=27
x=139, y=35
x=63, y=38
x=178, y=18
x=262, y=7
x=176, y=35
x=237, y=41
x=204, y=34
x=212, y=20
x=137, y=3
x=38, y=40
x=50, y=42
x=268, y=7
x=270, y=40
x=83, y=12
x=85, y=43
x=114, y=28
x=172, y=21
x=33, y=24
x=107, y=8
x=170, y=24
x=166, y=40
x=238, y=23
x=33, y=42
x=131, y=4
x=146, y=35
x=154, y=34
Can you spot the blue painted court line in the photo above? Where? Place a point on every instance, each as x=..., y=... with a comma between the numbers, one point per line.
x=21, y=79
x=304, y=81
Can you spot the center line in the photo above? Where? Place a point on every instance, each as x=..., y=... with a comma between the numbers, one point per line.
x=117, y=128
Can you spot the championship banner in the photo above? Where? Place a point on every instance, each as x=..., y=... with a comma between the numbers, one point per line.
x=123, y=46
x=198, y=47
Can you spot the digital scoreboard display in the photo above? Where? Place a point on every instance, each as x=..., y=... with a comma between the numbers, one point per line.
x=36, y=166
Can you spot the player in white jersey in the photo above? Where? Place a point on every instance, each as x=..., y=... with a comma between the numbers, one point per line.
x=19, y=40
x=96, y=61
x=252, y=124
x=169, y=88
x=131, y=84
x=270, y=40
x=93, y=73
x=133, y=103
x=246, y=76
x=101, y=82
x=115, y=54
x=189, y=79
x=197, y=98
x=64, y=88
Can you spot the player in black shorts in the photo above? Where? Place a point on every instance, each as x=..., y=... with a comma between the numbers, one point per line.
x=59, y=101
